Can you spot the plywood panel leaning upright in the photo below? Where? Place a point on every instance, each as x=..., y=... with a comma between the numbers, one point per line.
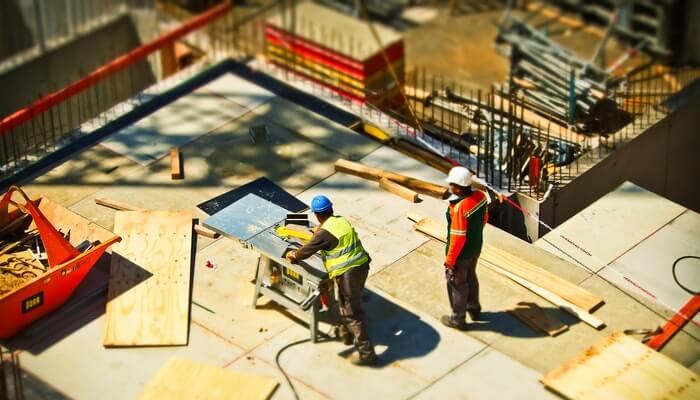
x=149, y=279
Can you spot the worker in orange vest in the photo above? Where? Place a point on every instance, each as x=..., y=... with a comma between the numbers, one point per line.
x=467, y=214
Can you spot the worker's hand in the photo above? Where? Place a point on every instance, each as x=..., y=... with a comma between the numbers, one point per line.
x=291, y=256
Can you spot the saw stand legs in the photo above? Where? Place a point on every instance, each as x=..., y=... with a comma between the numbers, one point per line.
x=261, y=289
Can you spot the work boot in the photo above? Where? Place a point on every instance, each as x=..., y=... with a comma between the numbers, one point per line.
x=474, y=315
x=343, y=335
x=360, y=360
x=449, y=322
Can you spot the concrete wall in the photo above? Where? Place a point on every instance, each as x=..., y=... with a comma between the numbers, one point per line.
x=665, y=160
x=15, y=33
x=62, y=65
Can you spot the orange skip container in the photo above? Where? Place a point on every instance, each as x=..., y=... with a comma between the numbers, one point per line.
x=68, y=267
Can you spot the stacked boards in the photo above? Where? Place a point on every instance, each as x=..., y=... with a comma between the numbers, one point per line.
x=338, y=52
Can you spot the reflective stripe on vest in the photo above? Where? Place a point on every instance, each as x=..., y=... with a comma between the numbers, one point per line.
x=348, y=253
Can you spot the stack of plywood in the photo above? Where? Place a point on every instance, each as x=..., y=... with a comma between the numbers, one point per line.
x=338, y=52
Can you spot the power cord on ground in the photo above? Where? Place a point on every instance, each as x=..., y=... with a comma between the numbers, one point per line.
x=675, y=278
x=279, y=354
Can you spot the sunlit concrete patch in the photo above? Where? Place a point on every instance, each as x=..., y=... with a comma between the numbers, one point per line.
x=240, y=91
x=175, y=124
x=321, y=130
x=489, y=375
x=255, y=365
x=649, y=264
x=224, y=296
x=115, y=373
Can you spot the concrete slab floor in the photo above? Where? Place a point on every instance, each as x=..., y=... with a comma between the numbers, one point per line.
x=507, y=334
x=99, y=373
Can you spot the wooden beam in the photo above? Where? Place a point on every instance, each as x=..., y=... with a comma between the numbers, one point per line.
x=375, y=174
x=422, y=155
x=175, y=164
x=119, y=206
x=572, y=309
x=401, y=191
x=535, y=276
x=571, y=22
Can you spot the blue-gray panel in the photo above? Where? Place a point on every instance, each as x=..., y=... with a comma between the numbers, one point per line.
x=246, y=217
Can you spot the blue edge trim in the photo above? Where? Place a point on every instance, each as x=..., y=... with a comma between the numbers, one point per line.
x=280, y=88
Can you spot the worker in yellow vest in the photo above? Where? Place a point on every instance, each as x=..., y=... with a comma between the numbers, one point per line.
x=347, y=263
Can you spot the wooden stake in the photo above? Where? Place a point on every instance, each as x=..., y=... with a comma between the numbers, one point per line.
x=175, y=164
x=398, y=190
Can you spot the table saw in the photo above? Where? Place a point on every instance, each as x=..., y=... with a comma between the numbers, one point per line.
x=299, y=287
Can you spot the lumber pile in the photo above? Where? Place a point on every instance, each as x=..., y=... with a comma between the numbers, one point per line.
x=377, y=174
x=120, y=206
x=560, y=292
x=311, y=41
x=620, y=367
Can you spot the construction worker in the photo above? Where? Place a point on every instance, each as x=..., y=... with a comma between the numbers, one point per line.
x=347, y=263
x=466, y=216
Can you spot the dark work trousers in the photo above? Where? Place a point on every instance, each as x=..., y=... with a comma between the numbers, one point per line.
x=350, y=286
x=463, y=288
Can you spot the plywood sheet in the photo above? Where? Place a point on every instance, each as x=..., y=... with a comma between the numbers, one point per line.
x=622, y=368
x=184, y=379
x=174, y=125
x=149, y=279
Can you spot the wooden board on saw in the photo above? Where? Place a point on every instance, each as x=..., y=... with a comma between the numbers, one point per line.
x=516, y=265
x=536, y=318
x=620, y=367
x=184, y=379
x=149, y=279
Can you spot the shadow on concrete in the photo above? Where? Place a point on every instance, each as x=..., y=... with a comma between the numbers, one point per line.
x=16, y=383
x=504, y=323
x=402, y=332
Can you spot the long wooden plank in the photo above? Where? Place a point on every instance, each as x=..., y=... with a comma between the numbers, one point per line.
x=182, y=379
x=401, y=191
x=120, y=206
x=572, y=309
x=149, y=279
x=375, y=174
x=535, y=317
x=620, y=367
x=543, y=278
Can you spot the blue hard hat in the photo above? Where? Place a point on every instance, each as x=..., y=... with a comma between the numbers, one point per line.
x=320, y=204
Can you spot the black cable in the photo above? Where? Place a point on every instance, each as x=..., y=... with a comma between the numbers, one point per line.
x=675, y=278
x=277, y=361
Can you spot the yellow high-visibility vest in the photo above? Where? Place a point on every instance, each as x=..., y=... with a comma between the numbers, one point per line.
x=349, y=252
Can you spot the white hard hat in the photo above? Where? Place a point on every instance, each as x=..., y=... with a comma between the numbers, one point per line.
x=460, y=176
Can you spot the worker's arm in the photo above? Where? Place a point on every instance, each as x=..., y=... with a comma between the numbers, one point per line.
x=321, y=240
x=458, y=236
